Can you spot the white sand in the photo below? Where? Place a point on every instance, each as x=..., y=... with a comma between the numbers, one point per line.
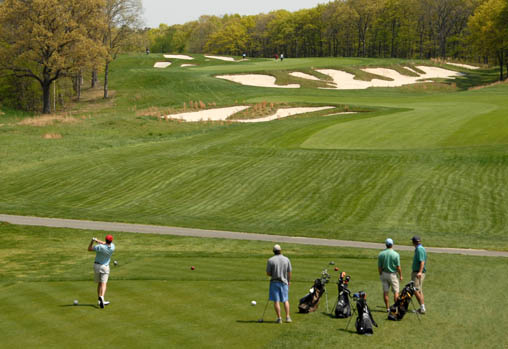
x=255, y=80
x=463, y=65
x=179, y=57
x=229, y=59
x=221, y=114
x=188, y=65
x=162, y=64
x=304, y=76
x=342, y=113
x=282, y=113
x=346, y=81
x=217, y=114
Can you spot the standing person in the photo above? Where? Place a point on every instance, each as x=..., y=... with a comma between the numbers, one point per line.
x=278, y=268
x=103, y=252
x=276, y=57
x=418, y=274
x=244, y=55
x=388, y=265
x=281, y=57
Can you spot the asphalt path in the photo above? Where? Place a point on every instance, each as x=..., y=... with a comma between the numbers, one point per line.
x=164, y=230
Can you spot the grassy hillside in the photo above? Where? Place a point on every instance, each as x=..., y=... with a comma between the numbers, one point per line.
x=157, y=301
x=427, y=159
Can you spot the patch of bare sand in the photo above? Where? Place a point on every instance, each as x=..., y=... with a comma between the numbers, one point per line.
x=218, y=114
x=179, y=57
x=162, y=64
x=221, y=58
x=347, y=81
x=188, y=65
x=283, y=113
x=257, y=80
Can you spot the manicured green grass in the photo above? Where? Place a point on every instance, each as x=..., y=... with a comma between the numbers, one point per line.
x=425, y=160
x=157, y=301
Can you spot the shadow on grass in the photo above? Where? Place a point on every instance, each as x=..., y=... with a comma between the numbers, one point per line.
x=80, y=305
x=255, y=322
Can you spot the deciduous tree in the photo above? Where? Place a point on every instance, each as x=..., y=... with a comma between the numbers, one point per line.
x=49, y=39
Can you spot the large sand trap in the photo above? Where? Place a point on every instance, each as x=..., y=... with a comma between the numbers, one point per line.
x=301, y=75
x=463, y=65
x=179, y=57
x=346, y=81
x=255, y=80
x=162, y=64
x=221, y=114
x=210, y=114
x=188, y=65
x=229, y=59
x=282, y=113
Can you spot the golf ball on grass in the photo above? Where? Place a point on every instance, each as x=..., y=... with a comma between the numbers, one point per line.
x=115, y=262
x=253, y=303
x=76, y=302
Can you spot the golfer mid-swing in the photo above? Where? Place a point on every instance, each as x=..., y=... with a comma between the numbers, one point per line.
x=103, y=252
x=278, y=268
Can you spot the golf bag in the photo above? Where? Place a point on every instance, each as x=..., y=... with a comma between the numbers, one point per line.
x=364, y=321
x=310, y=302
x=343, y=307
x=401, y=306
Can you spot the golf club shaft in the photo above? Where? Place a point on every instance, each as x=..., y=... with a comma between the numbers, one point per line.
x=266, y=306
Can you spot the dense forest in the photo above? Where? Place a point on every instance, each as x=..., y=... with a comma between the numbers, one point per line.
x=346, y=28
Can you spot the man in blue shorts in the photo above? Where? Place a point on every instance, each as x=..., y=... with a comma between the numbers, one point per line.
x=103, y=252
x=278, y=268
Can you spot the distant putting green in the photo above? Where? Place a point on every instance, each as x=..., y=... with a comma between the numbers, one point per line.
x=427, y=159
x=158, y=301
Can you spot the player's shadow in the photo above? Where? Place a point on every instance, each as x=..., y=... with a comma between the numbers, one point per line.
x=80, y=305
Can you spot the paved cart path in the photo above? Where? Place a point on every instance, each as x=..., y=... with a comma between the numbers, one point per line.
x=164, y=230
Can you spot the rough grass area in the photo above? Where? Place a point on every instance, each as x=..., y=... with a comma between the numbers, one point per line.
x=158, y=301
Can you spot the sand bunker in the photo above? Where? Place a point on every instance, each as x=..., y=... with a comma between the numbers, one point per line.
x=221, y=114
x=229, y=59
x=210, y=114
x=304, y=76
x=179, y=57
x=472, y=67
x=346, y=81
x=255, y=80
x=162, y=64
x=187, y=65
x=282, y=113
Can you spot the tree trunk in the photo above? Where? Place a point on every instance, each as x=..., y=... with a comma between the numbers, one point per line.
x=106, y=79
x=94, y=78
x=500, y=55
x=46, y=97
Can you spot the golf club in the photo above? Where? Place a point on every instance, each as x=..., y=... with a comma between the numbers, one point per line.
x=416, y=311
x=263, y=316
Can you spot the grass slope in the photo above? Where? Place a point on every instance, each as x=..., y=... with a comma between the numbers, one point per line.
x=156, y=300
x=426, y=159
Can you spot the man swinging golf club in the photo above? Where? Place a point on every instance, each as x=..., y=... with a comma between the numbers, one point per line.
x=103, y=252
x=278, y=268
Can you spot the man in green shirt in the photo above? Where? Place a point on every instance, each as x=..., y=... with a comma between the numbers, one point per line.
x=418, y=274
x=388, y=265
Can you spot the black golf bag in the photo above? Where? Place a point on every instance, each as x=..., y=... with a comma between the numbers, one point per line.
x=310, y=302
x=364, y=321
x=401, y=306
x=343, y=307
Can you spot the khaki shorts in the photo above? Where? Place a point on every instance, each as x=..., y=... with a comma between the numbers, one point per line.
x=101, y=272
x=389, y=280
x=418, y=282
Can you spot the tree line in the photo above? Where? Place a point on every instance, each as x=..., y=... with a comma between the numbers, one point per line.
x=42, y=41
x=474, y=30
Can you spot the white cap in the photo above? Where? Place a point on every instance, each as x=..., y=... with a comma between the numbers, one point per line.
x=389, y=242
x=276, y=248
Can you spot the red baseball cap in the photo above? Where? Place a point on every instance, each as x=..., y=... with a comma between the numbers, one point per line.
x=109, y=238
